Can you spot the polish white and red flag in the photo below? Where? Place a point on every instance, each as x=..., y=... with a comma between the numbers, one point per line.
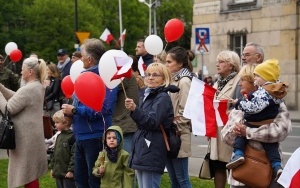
x=106, y=36
x=123, y=68
x=122, y=37
x=204, y=112
x=290, y=177
x=141, y=66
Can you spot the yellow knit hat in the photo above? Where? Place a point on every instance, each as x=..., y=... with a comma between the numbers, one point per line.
x=268, y=70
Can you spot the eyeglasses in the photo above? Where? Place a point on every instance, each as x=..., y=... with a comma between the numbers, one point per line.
x=248, y=55
x=154, y=75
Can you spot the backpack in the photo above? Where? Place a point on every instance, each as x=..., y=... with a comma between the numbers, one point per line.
x=172, y=140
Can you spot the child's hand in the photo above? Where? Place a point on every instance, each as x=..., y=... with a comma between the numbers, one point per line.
x=101, y=170
x=69, y=175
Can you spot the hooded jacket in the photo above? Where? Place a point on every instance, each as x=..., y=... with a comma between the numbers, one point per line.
x=62, y=159
x=89, y=124
x=149, y=150
x=117, y=175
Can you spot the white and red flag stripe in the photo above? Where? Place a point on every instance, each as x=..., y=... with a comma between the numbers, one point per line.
x=122, y=37
x=106, y=36
x=205, y=112
x=141, y=66
x=123, y=68
x=220, y=107
x=290, y=177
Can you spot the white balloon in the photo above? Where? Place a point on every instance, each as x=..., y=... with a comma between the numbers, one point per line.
x=153, y=44
x=76, y=69
x=107, y=67
x=10, y=47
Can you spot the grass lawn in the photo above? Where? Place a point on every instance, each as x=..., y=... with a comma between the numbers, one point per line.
x=48, y=182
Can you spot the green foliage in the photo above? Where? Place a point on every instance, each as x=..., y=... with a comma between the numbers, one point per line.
x=44, y=26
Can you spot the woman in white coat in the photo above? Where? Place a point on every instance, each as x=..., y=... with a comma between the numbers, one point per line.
x=29, y=160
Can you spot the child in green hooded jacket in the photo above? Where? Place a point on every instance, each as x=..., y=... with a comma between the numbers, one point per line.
x=112, y=162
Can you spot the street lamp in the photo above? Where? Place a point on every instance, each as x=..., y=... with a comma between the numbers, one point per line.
x=76, y=20
x=150, y=4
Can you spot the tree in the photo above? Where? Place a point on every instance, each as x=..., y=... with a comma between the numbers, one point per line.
x=44, y=26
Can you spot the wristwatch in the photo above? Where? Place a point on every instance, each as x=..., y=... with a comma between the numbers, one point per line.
x=74, y=110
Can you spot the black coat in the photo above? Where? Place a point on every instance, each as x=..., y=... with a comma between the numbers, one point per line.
x=157, y=109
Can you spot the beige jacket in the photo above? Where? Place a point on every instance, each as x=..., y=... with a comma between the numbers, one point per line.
x=29, y=160
x=183, y=124
x=218, y=149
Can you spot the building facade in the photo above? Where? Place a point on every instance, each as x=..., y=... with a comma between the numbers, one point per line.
x=230, y=24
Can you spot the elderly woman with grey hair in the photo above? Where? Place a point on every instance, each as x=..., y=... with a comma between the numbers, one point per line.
x=27, y=162
x=227, y=68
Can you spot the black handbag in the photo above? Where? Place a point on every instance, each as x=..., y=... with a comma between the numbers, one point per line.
x=7, y=131
x=172, y=140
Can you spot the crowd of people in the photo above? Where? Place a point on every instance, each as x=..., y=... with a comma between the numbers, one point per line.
x=123, y=142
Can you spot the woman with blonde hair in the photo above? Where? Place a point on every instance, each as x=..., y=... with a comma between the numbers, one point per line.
x=149, y=153
x=28, y=161
x=276, y=131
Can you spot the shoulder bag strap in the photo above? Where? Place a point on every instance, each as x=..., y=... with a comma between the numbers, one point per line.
x=6, y=114
x=208, y=147
x=165, y=137
x=46, y=105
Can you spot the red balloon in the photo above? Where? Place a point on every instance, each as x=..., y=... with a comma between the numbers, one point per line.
x=15, y=55
x=67, y=86
x=174, y=29
x=90, y=90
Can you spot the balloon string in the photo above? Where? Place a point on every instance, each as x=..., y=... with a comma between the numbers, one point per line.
x=165, y=47
x=124, y=89
x=5, y=59
x=8, y=64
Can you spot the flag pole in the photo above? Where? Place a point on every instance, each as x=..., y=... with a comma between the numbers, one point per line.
x=124, y=89
x=121, y=25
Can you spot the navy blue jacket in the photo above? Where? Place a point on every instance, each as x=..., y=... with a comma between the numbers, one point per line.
x=89, y=124
x=155, y=110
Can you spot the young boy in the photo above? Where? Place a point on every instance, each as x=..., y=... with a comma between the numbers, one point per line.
x=61, y=161
x=260, y=108
x=111, y=164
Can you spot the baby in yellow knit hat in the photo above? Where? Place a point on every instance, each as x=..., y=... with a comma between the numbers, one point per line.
x=260, y=108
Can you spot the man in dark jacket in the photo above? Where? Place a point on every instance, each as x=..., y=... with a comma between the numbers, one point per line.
x=64, y=62
x=140, y=51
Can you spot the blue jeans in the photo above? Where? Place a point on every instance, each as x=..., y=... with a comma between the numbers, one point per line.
x=147, y=179
x=127, y=144
x=86, y=153
x=179, y=172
